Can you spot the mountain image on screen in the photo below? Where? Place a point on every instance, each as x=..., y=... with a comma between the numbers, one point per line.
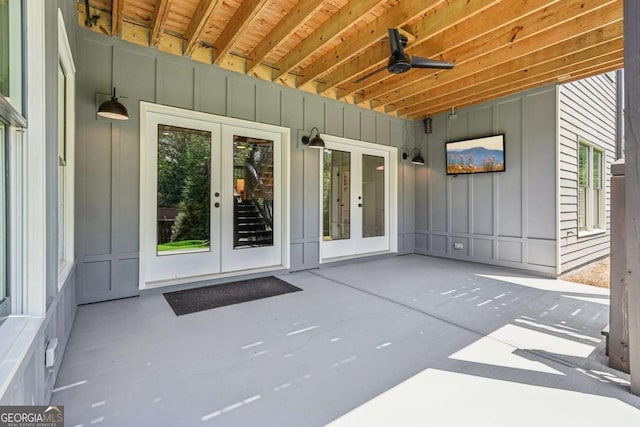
x=474, y=160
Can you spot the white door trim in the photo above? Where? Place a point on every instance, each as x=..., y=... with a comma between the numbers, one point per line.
x=145, y=187
x=391, y=194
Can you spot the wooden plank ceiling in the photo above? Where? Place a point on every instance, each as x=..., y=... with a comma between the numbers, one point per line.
x=498, y=46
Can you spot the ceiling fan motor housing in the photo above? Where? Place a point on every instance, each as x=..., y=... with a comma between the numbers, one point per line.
x=399, y=64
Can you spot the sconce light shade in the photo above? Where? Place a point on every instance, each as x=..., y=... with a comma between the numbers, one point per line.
x=112, y=109
x=418, y=159
x=315, y=141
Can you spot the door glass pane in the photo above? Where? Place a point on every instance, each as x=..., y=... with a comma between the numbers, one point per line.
x=184, y=190
x=253, y=188
x=372, y=196
x=336, y=196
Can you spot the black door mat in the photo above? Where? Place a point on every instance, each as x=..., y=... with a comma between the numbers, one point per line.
x=208, y=297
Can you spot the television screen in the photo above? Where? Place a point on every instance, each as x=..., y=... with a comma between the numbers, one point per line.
x=478, y=155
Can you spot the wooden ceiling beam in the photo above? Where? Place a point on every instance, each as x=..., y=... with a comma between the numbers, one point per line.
x=455, y=14
x=475, y=56
x=198, y=25
x=236, y=27
x=117, y=17
x=521, y=68
x=553, y=67
x=342, y=21
x=296, y=17
x=475, y=99
x=159, y=21
x=399, y=15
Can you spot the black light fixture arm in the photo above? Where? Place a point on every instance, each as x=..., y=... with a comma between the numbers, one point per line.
x=313, y=141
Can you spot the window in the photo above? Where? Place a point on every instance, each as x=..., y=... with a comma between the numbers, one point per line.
x=66, y=124
x=11, y=52
x=590, y=194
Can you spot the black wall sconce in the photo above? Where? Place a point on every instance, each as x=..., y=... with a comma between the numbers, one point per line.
x=417, y=158
x=113, y=109
x=315, y=142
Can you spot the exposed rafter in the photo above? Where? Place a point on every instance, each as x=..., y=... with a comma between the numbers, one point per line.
x=237, y=26
x=198, y=24
x=514, y=75
x=448, y=16
x=159, y=21
x=397, y=16
x=296, y=17
x=438, y=34
x=323, y=46
x=342, y=21
x=117, y=17
x=535, y=32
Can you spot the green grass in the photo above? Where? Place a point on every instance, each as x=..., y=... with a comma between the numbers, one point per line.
x=183, y=245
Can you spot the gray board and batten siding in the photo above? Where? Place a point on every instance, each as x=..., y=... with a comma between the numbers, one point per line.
x=587, y=111
x=108, y=160
x=503, y=218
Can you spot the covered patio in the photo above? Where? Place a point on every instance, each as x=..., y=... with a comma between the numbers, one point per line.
x=408, y=340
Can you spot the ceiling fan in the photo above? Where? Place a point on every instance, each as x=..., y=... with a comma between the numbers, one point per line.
x=401, y=62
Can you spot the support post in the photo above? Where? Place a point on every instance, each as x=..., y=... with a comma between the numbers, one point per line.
x=618, y=316
x=632, y=184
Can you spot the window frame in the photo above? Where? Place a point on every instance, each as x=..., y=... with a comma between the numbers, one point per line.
x=65, y=60
x=591, y=227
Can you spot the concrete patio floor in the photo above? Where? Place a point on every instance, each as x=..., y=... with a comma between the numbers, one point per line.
x=403, y=341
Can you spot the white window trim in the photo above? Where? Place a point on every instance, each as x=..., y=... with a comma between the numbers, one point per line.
x=69, y=70
x=592, y=229
x=145, y=186
x=27, y=194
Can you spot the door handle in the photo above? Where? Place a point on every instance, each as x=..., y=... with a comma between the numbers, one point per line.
x=217, y=205
x=217, y=194
x=359, y=205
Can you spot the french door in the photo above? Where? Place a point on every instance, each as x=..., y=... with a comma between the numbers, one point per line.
x=356, y=195
x=211, y=199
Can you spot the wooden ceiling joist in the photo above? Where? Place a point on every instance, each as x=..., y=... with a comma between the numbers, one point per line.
x=296, y=17
x=449, y=16
x=440, y=42
x=117, y=17
x=239, y=23
x=323, y=46
x=397, y=16
x=563, y=65
x=198, y=24
x=510, y=90
x=159, y=21
x=342, y=21
x=533, y=35
x=568, y=54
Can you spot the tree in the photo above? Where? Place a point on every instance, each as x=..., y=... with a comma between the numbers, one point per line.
x=193, y=220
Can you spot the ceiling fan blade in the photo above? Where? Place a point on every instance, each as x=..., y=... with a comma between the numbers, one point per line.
x=358, y=80
x=395, y=43
x=417, y=62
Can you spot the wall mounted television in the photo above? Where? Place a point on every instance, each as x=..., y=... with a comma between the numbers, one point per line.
x=478, y=155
